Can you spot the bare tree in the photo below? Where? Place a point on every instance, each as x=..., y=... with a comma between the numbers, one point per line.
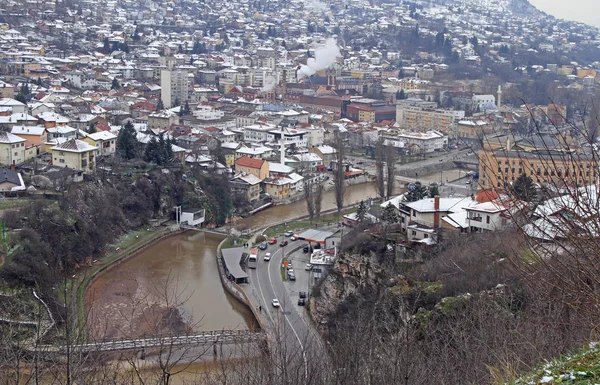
x=318, y=199
x=379, y=166
x=339, y=174
x=390, y=170
x=309, y=198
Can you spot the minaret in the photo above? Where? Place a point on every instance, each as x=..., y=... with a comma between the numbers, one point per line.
x=282, y=149
x=499, y=96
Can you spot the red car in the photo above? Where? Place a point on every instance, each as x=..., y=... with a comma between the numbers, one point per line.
x=272, y=241
x=283, y=243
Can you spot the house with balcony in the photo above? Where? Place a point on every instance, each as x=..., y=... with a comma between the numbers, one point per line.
x=75, y=154
x=105, y=141
x=423, y=219
x=247, y=185
x=487, y=216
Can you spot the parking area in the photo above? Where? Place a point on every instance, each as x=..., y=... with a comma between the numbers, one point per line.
x=304, y=279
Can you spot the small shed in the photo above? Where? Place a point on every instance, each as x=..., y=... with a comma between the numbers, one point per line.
x=193, y=217
x=232, y=259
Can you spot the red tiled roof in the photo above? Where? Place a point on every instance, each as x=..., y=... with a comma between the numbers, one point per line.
x=244, y=161
x=486, y=196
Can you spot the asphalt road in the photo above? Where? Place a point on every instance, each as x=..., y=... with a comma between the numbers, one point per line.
x=287, y=327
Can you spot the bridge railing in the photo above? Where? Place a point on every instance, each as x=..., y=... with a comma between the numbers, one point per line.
x=204, y=338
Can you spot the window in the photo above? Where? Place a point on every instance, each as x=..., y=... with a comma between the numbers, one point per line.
x=62, y=161
x=414, y=232
x=414, y=212
x=426, y=235
x=487, y=219
x=61, y=153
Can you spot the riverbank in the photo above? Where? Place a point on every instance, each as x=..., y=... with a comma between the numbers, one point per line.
x=128, y=245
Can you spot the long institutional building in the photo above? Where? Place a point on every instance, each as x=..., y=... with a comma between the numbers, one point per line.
x=421, y=116
x=558, y=165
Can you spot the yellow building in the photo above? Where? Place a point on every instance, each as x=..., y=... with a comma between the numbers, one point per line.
x=75, y=154
x=257, y=167
x=366, y=116
x=473, y=129
x=425, y=119
x=583, y=72
x=499, y=167
x=277, y=188
x=105, y=141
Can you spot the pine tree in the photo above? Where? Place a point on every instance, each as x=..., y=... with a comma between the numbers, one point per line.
x=91, y=128
x=389, y=214
x=115, y=84
x=160, y=105
x=361, y=211
x=416, y=193
x=150, y=150
x=524, y=189
x=434, y=191
x=127, y=142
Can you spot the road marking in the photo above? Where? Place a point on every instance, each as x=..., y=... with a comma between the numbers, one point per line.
x=287, y=319
x=263, y=296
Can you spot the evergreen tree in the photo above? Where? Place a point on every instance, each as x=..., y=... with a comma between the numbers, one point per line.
x=169, y=149
x=434, y=191
x=524, y=189
x=416, y=193
x=160, y=105
x=115, y=84
x=91, y=128
x=400, y=95
x=361, y=211
x=127, y=142
x=389, y=214
x=106, y=48
x=150, y=150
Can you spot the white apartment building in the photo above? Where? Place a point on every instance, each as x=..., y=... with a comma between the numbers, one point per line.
x=257, y=133
x=422, y=142
x=174, y=87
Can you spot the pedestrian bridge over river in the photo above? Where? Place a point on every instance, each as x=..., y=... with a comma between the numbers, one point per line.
x=226, y=337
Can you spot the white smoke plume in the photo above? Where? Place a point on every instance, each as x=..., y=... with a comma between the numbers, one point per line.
x=325, y=56
x=269, y=84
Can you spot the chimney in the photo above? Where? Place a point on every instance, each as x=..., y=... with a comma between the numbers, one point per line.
x=436, y=214
x=282, y=150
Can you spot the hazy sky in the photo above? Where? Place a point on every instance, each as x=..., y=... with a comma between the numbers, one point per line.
x=580, y=10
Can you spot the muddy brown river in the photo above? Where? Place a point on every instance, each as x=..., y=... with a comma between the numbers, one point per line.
x=180, y=272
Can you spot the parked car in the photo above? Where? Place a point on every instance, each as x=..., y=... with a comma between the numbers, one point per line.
x=263, y=246
x=294, y=237
x=275, y=302
x=288, y=233
x=301, y=301
x=468, y=181
x=283, y=243
x=292, y=277
x=306, y=249
x=272, y=241
x=308, y=267
x=302, y=294
x=267, y=257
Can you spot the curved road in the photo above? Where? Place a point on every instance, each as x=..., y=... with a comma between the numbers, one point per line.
x=293, y=339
